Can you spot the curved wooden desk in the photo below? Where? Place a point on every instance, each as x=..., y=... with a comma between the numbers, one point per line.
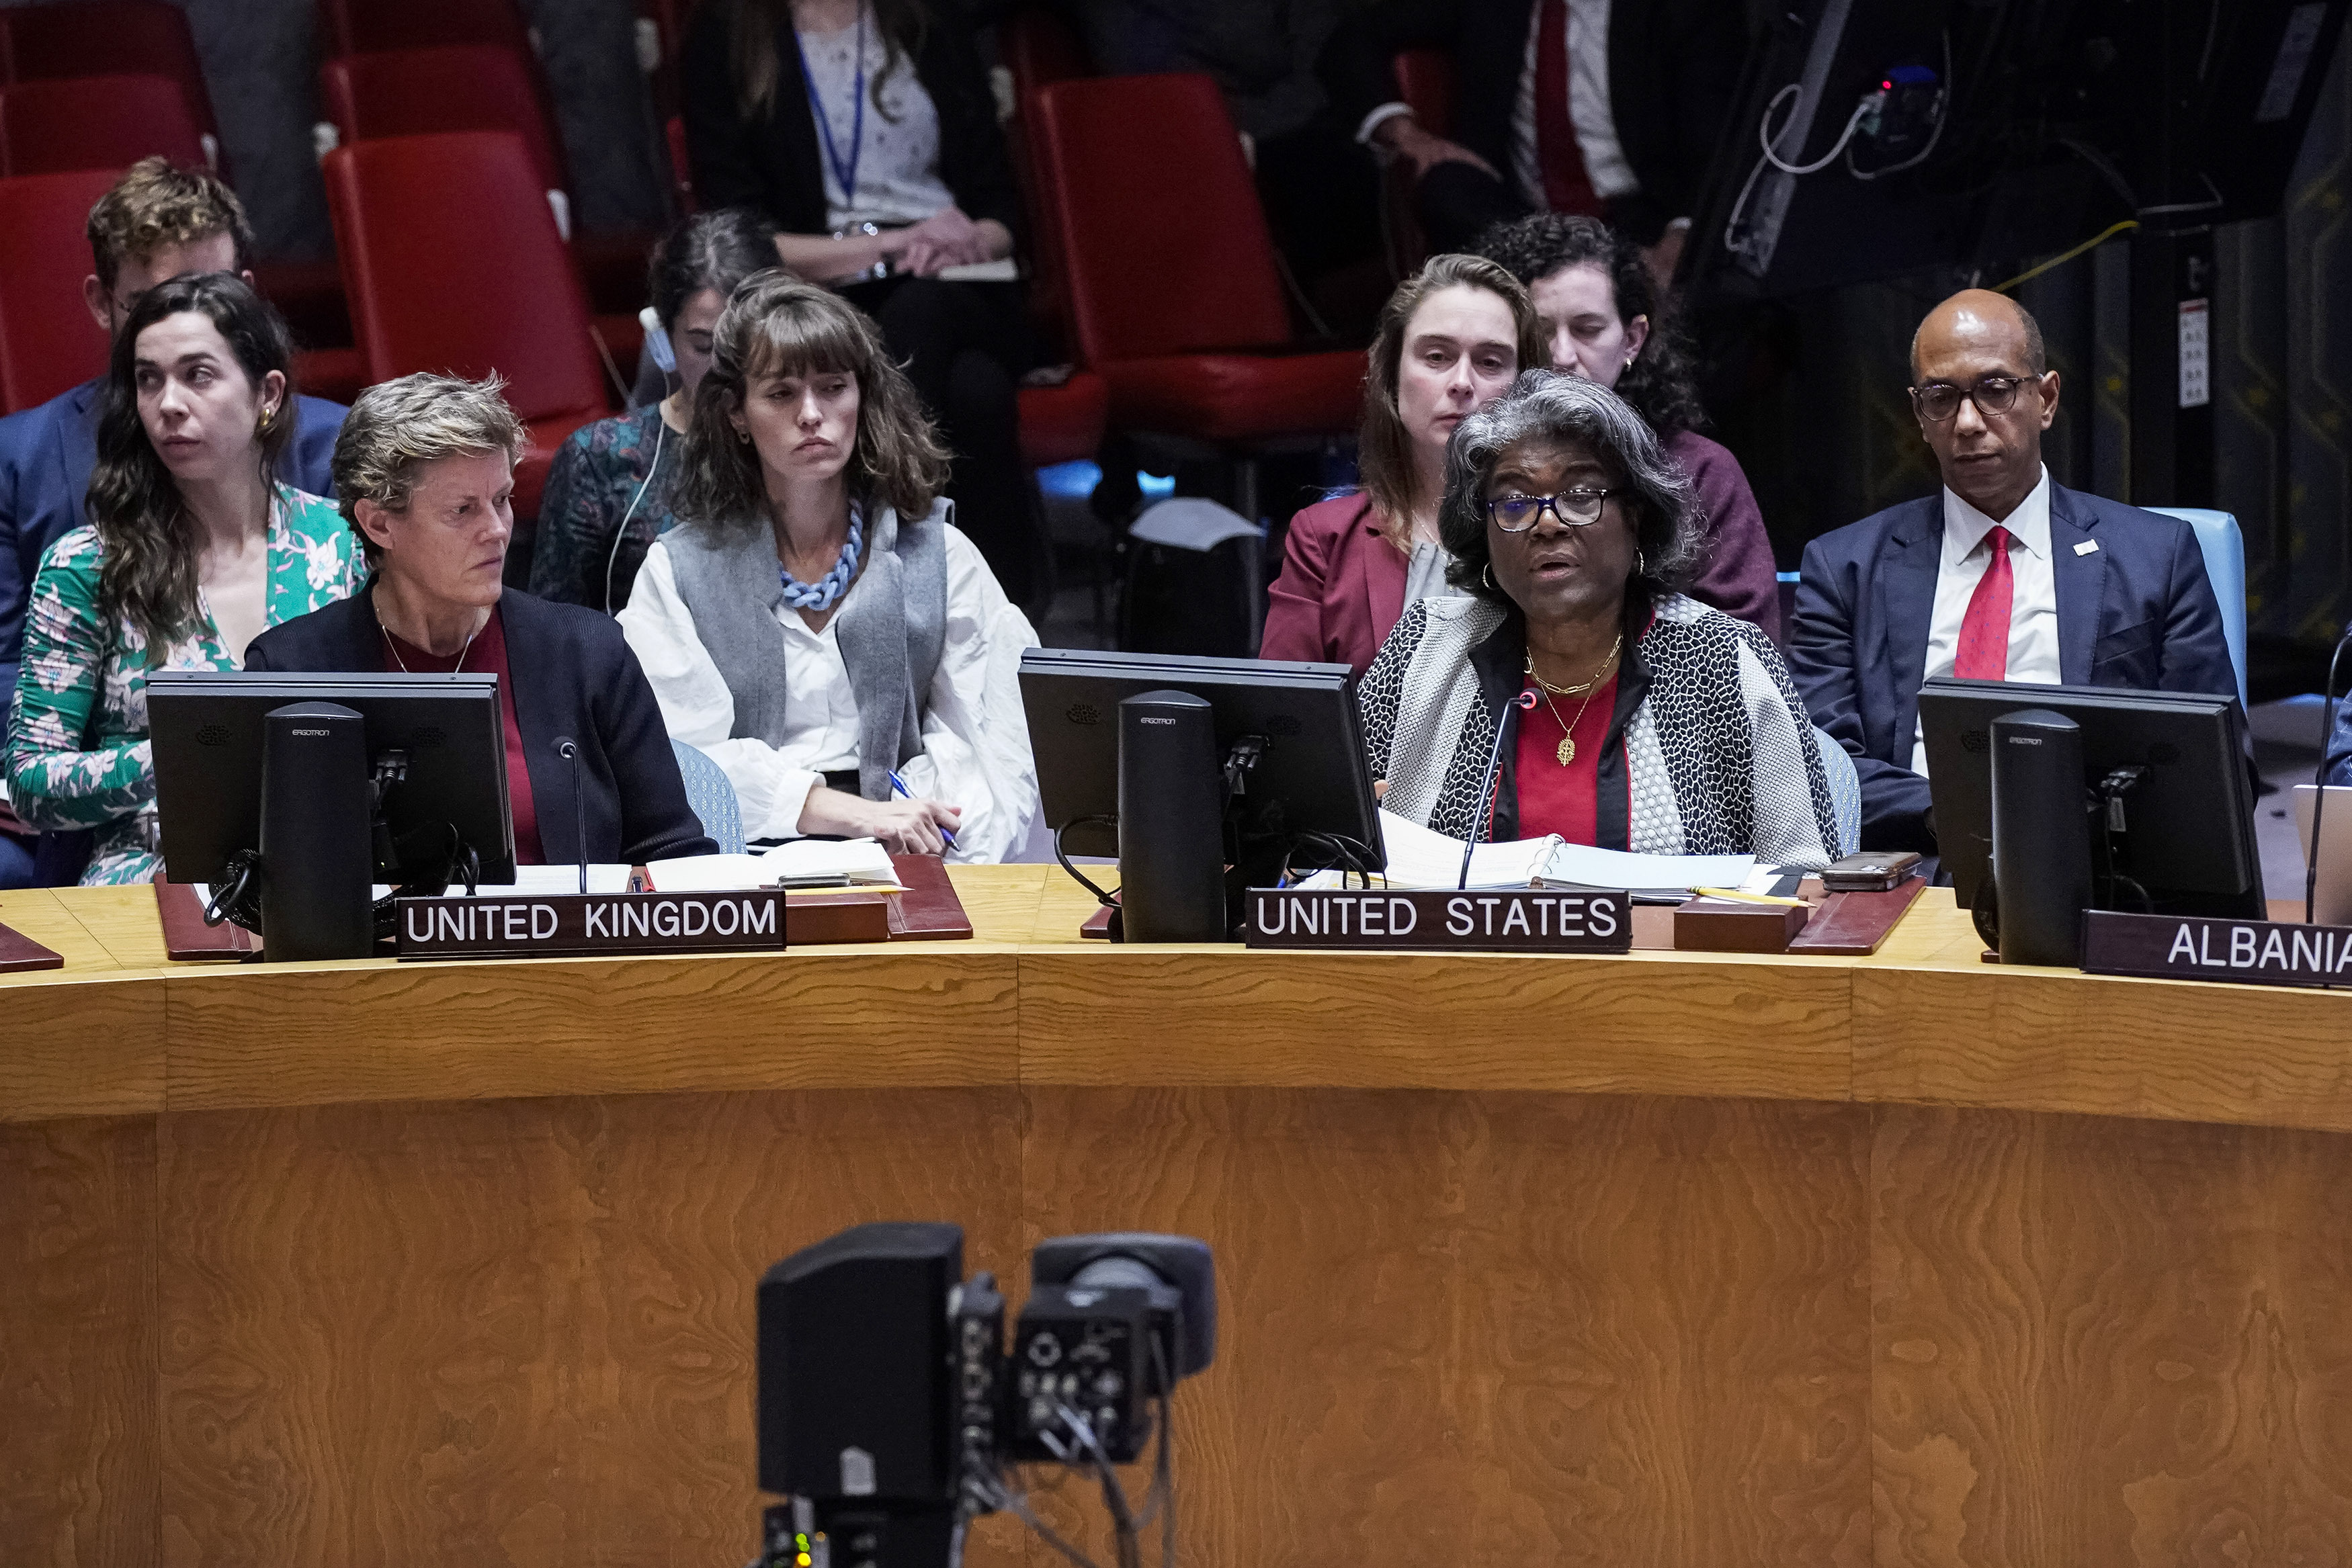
x=1673, y=1258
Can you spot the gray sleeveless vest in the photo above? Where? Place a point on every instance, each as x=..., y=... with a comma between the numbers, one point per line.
x=892, y=626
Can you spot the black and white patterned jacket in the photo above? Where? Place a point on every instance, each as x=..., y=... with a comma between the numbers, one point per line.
x=1709, y=750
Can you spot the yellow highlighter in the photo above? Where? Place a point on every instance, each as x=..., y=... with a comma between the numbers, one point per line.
x=1736, y=896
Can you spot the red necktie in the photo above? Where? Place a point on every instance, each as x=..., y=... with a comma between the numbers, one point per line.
x=1567, y=188
x=1983, y=651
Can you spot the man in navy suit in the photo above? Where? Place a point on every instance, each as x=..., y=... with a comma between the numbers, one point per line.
x=157, y=224
x=2004, y=576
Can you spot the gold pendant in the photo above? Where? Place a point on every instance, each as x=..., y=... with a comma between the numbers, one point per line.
x=1567, y=750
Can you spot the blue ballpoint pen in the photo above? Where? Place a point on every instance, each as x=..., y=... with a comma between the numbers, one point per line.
x=901, y=786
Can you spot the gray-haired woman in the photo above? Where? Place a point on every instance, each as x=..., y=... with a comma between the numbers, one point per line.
x=1658, y=724
x=425, y=473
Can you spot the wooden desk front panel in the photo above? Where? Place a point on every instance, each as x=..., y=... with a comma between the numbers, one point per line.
x=1548, y=1327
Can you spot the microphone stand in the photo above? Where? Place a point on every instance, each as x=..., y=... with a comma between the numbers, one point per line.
x=2319, y=780
x=568, y=750
x=1485, y=816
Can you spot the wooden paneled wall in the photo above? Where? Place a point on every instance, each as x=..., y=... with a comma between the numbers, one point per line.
x=1483, y=1327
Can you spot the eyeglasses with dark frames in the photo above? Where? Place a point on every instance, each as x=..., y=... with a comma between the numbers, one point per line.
x=1940, y=401
x=1579, y=508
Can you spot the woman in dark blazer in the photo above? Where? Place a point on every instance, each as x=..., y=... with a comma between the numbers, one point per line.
x=866, y=131
x=424, y=472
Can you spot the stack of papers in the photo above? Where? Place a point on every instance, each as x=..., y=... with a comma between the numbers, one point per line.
x=861, y=863
x=1422, y=857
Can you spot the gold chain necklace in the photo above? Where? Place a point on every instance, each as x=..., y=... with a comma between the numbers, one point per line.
x=1567, y=750
x=1530, y=667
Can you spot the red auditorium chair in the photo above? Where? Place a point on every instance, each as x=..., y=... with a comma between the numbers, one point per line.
x=1038, y=47
x=453, y=86
x=371, y=26
x=107, y=37
x=96, y=123
x=1174, y=297
x=452, y=263
x=681, y=163
x=488, y=86
x=1064, y=424
x=47, y=342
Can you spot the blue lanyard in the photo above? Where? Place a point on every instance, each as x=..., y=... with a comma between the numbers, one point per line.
x=845, y=175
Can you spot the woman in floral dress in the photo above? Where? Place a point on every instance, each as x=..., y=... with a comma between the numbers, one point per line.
x=193, y=549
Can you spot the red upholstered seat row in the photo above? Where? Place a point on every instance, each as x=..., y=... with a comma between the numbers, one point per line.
x=1174, y=298
x=453, y=263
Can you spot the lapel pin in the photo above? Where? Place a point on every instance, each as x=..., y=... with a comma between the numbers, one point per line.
x=2086, y=546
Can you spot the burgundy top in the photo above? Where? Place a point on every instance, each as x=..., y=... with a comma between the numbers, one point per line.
x=486, y=654
x=1737, y=577
x=1556, y=798
x=1341, y=589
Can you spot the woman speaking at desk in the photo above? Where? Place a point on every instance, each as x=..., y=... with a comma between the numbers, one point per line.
x=1655, y=724
x=192, y=549
x=817, y=623
x=425, y=472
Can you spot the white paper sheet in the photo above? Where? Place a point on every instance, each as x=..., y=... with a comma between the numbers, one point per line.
x=537, y=881
x=1422, y=857
x=1616, y=868
x=860, y=860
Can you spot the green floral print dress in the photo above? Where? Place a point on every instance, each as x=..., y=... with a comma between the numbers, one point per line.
x=77, y=754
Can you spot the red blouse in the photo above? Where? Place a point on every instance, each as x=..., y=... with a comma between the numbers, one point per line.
x=486, y=654
x=1556, y=798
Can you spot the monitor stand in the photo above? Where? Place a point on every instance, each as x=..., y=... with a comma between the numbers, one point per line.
x=318, y=860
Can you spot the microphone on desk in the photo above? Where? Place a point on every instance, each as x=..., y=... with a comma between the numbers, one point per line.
x=568, y=750
x=1486, y=812
x=2319, y=780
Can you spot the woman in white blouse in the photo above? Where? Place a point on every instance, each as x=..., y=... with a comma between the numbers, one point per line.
x=816, y=623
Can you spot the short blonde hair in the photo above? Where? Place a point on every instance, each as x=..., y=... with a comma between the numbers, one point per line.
x=157, y=204
x=398, y=427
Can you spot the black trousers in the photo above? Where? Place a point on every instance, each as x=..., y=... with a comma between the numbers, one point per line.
x=965, y=346
x=1322, y=197
x=1457, y=201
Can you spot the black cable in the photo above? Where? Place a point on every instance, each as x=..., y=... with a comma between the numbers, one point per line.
x=243, y=867
x=2319, y=779
x=1107, y=900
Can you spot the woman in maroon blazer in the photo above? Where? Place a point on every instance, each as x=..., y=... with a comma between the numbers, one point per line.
x=1451, y=340
x=1599, y=310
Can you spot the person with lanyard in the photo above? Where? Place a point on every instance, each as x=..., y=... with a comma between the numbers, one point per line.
x=424, y=473
x=818, y=624
x=610, y=489
x=1643, y=719
x=866, y=132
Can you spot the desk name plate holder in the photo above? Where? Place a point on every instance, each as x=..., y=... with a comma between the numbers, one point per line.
x=572, y=925
x=1475, y=920
x=2188, y=947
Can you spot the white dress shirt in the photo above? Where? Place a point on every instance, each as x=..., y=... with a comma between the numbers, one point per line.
x=1588, y=108
x=2034, y=604
x=975, y=735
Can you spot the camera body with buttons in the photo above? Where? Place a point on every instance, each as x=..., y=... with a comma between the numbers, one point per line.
x=891, y=1414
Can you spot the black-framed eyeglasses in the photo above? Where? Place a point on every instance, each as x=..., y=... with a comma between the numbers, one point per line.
x=1575, y=509
x=1940, y=401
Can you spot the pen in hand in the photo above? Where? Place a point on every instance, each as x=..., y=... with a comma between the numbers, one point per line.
x=899, y=785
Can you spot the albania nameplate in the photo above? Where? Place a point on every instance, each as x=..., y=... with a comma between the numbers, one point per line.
x=1478, y=920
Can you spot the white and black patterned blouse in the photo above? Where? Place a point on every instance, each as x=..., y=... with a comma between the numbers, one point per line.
x=1709, y=750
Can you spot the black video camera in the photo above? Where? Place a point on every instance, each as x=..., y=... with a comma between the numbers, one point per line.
x=891, y=1416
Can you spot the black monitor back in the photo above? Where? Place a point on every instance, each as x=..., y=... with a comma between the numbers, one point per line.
x=206, y=729
x=2191, y=821
x=1314, y=762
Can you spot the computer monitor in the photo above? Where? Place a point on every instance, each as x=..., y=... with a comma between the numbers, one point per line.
x=1313, y=766
x=206, y=729
x=2188, y=837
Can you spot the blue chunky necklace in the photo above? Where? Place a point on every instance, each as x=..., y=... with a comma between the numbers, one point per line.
x=826, y=590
